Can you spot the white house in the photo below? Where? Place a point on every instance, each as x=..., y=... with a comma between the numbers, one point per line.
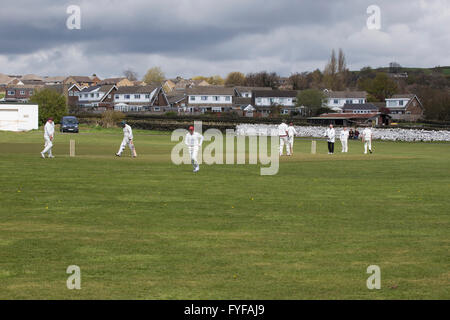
x=210, y=99
x=96, y=96
x=335, y=100
x=140, y=98
x=406, y=107
x=19, y=117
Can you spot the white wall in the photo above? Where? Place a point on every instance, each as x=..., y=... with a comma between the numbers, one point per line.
x=19, y=117
x=287, y=102
x=210, y=99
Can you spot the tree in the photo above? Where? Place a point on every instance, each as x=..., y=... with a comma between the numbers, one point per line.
x=312, y=99
x=216, y=80
x=330, y=72
x=235, y=79
x=130, y=75
x=154, y=75
x=263, y=79
x=299, y=81
x=51, y=104
x=381, y=87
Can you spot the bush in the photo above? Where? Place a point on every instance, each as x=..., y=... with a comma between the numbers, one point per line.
x=51, y=104
x=111, y=118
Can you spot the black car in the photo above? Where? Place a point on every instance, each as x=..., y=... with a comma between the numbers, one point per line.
x=69, y=124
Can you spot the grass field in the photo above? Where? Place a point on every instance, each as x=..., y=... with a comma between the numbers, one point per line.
x=147, y=229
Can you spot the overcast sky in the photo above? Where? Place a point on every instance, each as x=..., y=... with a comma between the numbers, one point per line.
x=206, y=37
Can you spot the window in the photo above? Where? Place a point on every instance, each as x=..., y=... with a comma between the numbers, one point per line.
x=70, y=93
x=97, y=95
x=392, y=103
x=30, y=93
x=216, y=109
x=348, y=101
x=127, y=96
x=192, y=98
x=400, y=103
x=336, y=101
x=147, y=96
x=227, y=98
x=259, y=100
x=11, y=92
x=361, y=101
x=137, y=96
x=86, y=95
x=109, y=96
x=117, y=97
x=92, y=95
x=157, y=109
x=204, y=98
x=22, y=92
x=216, y=98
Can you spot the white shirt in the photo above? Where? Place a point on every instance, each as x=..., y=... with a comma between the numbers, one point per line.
x=367, y=134
x=344, y=135
x=330, y=134
x=127, y=132
x=193, y=140
x=282, y=128
x=291, y=131
x=49, y=129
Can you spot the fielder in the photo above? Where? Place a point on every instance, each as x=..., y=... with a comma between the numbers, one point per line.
x=367, y=139
x=330, y=133
x=127, y=140
x=49, y=133
x=283, y=133
x=291, y=136
x=344, y=139
x=194, y=141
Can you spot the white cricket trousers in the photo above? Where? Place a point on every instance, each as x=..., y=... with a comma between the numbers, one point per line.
x=48, y=146
x=367, y=144
x=284, y=141
x=125, y=142
x=291, y=144
x=193, y=153
x=344, y=145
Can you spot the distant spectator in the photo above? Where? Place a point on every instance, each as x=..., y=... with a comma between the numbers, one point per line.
x=351, y=133
x=356, y=134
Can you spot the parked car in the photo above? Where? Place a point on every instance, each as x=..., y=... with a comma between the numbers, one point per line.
x=69, y=124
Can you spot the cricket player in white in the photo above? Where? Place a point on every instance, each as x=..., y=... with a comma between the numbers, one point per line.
x=194, y=141
x=344, y=139
x=367, y=139
x=283, y=133
x=127, y=140
x=49, y=134
x=291, y=136
x=330, y=133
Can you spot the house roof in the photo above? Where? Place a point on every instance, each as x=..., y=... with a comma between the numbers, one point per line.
x=175, y=98
x=242, y=101
x=4, y=79
x=345, y=94
x=274, y=93
x=111, y=80
x=97, y=88
x=360, y=106
x=81, y=79
x=136, y=89
x=210, y=90
x=54, y=79
x=31, y=77
x=245, y=89
x=346, y=115
x=402, y=96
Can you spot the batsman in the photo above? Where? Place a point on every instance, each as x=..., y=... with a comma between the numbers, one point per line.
x=127, y=140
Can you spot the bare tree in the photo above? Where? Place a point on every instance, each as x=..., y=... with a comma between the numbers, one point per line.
x=130, y=75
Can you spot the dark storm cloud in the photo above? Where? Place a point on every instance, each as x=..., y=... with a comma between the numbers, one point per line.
x=282, y=34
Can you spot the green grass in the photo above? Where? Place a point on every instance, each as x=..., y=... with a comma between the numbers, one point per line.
x=147, y=229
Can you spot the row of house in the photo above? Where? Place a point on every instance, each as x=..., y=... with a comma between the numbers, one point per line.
x=89, y=93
